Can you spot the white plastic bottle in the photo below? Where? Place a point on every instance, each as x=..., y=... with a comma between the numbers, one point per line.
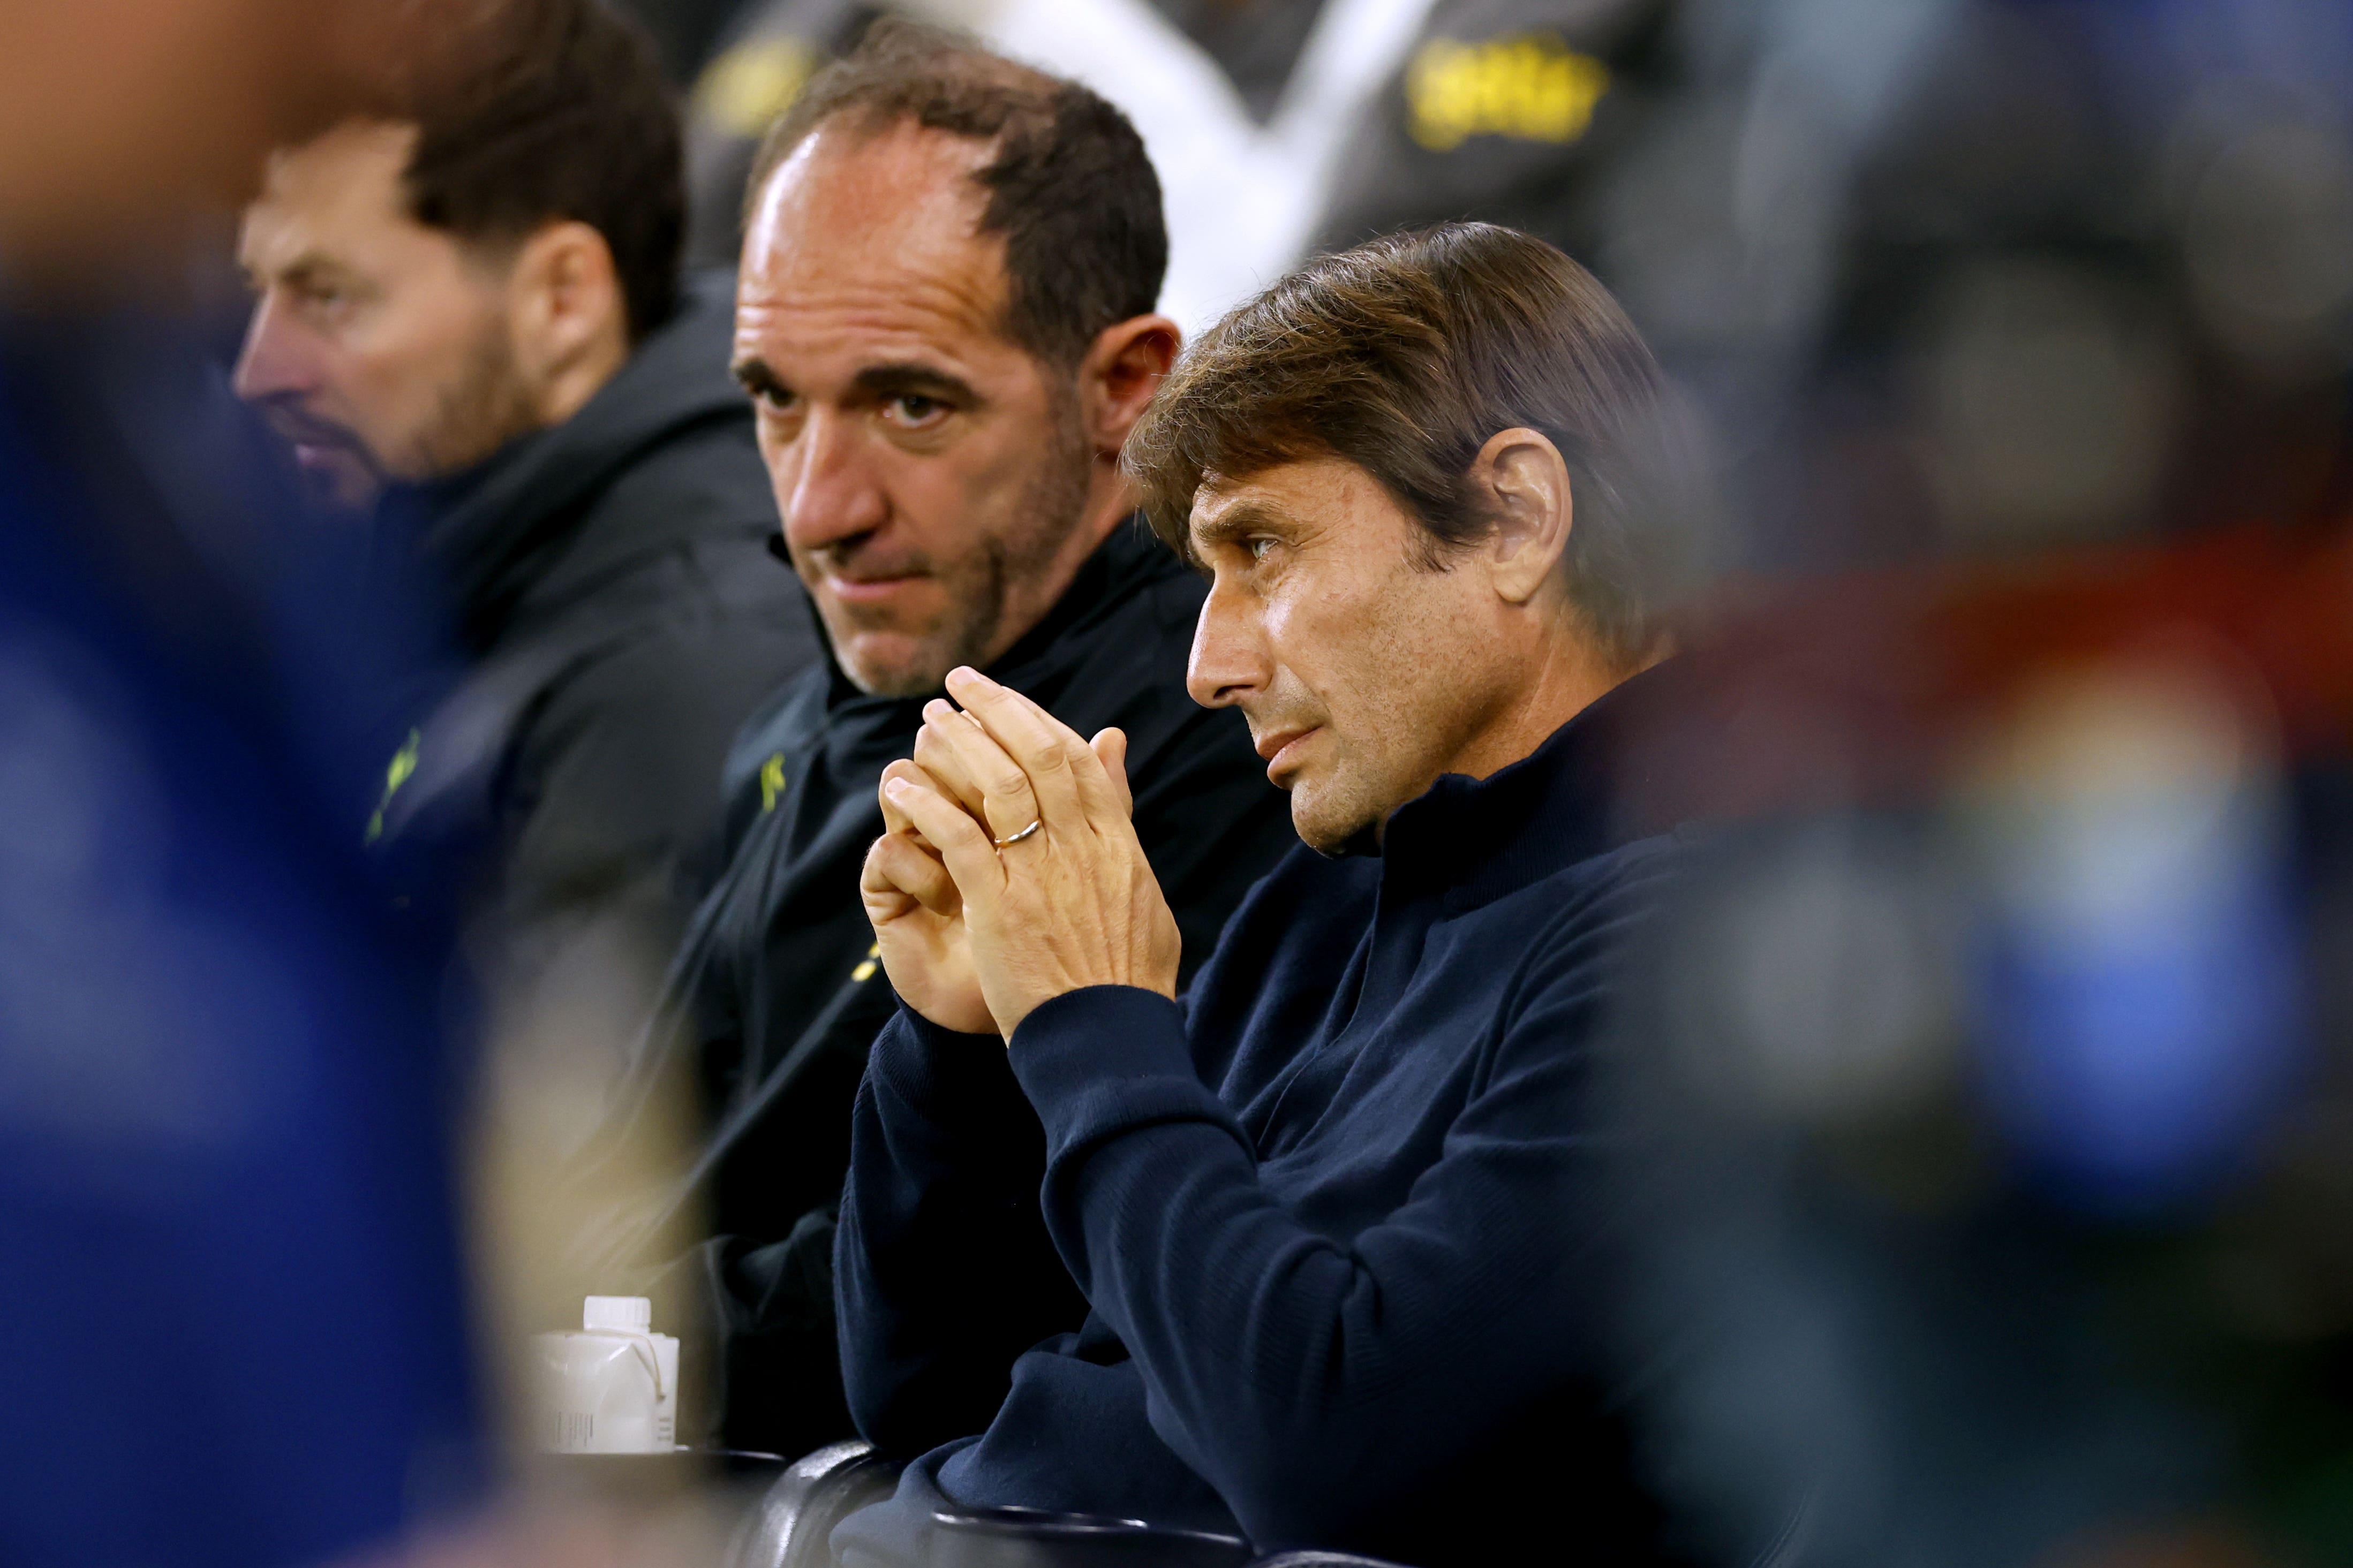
x=611, y=1388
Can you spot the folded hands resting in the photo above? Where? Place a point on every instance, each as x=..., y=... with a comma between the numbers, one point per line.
x=979, y=917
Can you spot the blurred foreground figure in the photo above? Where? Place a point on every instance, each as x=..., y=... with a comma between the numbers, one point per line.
x=947, y=324
x=224, y=1204
x=1338, y=1216
x=477, y=304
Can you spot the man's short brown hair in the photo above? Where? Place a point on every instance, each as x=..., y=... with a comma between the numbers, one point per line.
x=1070, y=189
x=545, y=110
x=1402, y=357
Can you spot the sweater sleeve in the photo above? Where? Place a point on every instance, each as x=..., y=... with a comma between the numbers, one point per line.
x=1315, y=1381
x=944, y=1272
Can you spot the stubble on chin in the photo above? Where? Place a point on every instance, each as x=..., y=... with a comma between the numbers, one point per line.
x=975, y=606
x=1342, y=809
x=478, y=411
x=981, y=590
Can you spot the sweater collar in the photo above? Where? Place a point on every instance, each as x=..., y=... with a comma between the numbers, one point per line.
x=1476, y=840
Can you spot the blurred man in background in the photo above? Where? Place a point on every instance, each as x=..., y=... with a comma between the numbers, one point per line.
x=469, y=318
x=224, y=1203
x=947, y=324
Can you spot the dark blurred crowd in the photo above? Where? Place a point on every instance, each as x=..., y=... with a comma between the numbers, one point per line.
x=446, y=681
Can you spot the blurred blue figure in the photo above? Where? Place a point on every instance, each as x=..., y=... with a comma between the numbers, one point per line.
x=2138, y=991
x=225, y=1222
x=226, y=1239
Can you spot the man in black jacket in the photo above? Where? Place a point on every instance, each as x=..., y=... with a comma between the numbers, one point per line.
x=947, y=324
x=471, y=320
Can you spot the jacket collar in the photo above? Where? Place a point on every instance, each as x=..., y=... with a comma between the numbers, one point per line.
x=1476, y=840
x=491, y=530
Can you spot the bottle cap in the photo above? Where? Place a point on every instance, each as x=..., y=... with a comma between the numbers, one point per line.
x=633, y=1314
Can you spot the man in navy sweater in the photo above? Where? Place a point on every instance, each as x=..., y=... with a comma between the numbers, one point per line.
x=1334, y=1217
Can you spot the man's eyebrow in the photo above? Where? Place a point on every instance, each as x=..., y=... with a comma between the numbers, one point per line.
x=754, y=376
x=306, y=270
x=915, y=381
x=1234, y=521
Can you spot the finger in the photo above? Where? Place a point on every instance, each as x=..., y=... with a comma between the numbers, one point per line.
x=970, y=858
x=1110, y=747
x=1105, y=802
x=1102, y=801
x=943, y=749
x=1032, y=738
x=960, y=745
x=893, y=819
x=884, y=900
x=897, y=863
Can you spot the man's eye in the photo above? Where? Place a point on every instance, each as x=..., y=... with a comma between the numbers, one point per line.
x=775, y=399
x=912, y=409
x=1258, y=545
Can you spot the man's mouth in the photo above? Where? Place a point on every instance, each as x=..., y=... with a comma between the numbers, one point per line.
x=1280, y=748
x=869, y=590
x=313, y=443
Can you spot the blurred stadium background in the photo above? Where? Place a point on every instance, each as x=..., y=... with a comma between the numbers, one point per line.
x=1996, y=1070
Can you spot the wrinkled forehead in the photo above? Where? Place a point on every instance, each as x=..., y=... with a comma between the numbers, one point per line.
x=875, y=232
x=1297, y=496
x=1275, y=492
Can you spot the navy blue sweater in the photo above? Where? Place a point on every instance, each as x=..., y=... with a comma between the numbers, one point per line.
x=1338, y=1218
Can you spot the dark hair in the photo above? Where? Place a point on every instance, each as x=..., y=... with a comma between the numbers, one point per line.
x=1070, y=189
x=555, y=110
x=1402, y=357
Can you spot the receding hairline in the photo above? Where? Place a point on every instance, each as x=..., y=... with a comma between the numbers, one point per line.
x=847, y=142
x=868, y=119
x=764, y=234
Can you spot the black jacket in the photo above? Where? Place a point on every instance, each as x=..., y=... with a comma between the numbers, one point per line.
x=619, y=617
x=777, y=988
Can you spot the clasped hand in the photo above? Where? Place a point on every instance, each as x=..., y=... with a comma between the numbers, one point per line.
x=973, y=931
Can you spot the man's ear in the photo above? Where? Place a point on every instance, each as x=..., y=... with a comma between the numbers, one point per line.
x=1523, y=480
x=569, y=319
x=1120, y=371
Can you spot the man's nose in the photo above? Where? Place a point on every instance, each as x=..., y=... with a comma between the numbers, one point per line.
x=827, y=491
x=271, y=363
x=1228, y=661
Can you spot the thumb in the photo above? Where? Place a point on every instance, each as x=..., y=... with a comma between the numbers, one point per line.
x=1110, y=747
